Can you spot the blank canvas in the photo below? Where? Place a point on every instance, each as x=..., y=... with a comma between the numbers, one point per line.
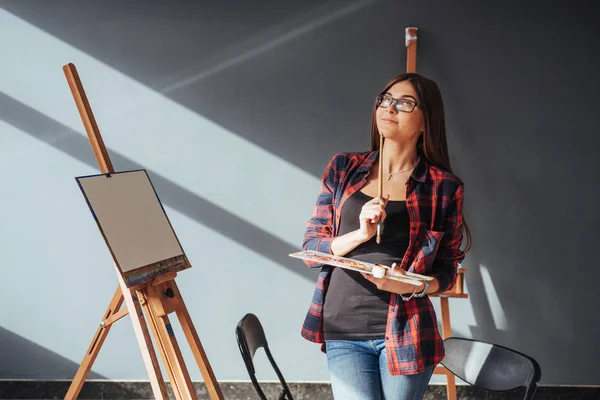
x=131, y=218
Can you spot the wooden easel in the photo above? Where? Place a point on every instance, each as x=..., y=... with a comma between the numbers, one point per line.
x=458, y=290
x=154, y=298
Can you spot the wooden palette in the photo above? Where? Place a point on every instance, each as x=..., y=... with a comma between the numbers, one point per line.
x=361, y=266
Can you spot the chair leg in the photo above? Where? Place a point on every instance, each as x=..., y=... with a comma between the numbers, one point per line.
x=530, y=392
x=286, y=389
x=257, y=387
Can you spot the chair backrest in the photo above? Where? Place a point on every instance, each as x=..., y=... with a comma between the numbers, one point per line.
x=250, y=337
x=491, y=366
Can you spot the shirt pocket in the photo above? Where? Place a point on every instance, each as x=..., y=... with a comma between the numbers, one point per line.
x=425, y=250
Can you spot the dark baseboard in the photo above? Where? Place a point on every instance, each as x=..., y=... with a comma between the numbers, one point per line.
x=31, y=389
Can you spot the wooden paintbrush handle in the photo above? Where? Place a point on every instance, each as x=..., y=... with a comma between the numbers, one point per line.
x=380, y=187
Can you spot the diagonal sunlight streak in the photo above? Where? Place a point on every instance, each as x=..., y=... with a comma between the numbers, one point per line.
x=49, y=240
x=159, y=134
x=265, y=42
x=30, y=122
x=493, y=299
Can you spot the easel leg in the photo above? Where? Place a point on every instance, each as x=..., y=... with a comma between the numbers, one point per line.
x=169, y=349
x=92, y=352
x=446, y=333
x=161, y=347
x=192, y=336
x=145, y=342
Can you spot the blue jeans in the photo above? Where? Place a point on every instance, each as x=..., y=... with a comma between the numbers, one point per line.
x=359, y=371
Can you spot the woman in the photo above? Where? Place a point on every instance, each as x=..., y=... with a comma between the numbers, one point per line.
x=381, y=335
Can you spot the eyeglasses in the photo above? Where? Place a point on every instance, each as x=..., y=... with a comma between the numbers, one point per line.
x=404, y=105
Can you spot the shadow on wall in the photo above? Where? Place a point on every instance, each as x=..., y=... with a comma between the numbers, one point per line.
x=22, y=361
x=250, y=78
x=33, y=361
x=532, y=176
x=77, y=146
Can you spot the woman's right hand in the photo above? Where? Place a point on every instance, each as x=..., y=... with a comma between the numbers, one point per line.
x=371, y=213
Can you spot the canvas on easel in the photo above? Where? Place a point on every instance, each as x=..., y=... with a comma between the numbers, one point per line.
x=147, y=257
x=134, y=224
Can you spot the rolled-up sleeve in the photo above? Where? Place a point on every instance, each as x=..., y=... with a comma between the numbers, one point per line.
x=449, y=254
x=318, y=234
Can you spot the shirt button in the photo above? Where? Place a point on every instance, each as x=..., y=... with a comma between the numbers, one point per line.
x=387, y=338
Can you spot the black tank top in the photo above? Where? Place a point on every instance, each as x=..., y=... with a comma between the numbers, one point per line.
x=354, y=308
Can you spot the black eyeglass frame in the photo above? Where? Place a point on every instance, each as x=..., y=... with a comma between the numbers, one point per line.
x=379, y=101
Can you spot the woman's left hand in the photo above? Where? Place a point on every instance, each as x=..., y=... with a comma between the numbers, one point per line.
x=391, y=285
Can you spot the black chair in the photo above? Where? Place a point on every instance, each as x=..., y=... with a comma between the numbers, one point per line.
x=491, y=366
x=250, y=336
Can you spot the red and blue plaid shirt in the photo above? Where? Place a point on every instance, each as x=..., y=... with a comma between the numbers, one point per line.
x=434, y=200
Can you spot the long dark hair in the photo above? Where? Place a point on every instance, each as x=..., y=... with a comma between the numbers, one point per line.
x=432, y=144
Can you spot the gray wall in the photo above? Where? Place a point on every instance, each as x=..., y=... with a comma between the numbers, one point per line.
x=235, y=107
